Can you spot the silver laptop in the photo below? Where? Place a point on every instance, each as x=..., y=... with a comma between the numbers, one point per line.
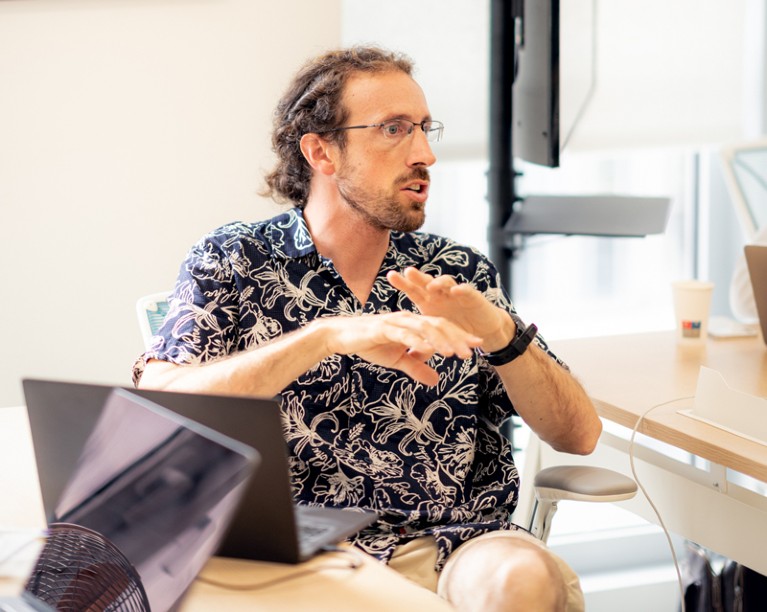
x=268, y=526
x=157, y=487
x=756, y=259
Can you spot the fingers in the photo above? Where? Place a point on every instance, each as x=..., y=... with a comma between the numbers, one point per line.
x=419, y=286
x=465, y=291
x=402, y=340
x=413, y=278
x=441, y=284
x=418, y=370
x=413, y=342
x=399, y=281
x=442, y=296
x=428, y=335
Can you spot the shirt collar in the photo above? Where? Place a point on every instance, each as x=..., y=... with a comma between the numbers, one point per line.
x=289, y=236
x=290, y=239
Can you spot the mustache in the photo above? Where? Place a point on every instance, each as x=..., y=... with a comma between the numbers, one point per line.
x=417, y=174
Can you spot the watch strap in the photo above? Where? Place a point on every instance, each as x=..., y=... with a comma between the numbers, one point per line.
x=514, y=349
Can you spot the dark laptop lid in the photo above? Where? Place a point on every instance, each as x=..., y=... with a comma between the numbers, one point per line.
x=159, y=487
x=263, y=528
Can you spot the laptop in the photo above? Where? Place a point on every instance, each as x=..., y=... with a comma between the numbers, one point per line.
x=756, y=259
x=157, y=487
x=268, y=525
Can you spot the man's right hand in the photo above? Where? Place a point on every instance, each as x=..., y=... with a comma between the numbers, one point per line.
x=401, y=340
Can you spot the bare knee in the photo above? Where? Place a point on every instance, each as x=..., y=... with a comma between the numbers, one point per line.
x=503, y=575
x=530, y=580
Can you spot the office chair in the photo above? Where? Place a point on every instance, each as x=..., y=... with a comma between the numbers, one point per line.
x=151, y=310
x=574, y=483
x=550, y=485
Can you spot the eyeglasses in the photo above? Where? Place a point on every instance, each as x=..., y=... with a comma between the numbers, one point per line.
x=397, y=129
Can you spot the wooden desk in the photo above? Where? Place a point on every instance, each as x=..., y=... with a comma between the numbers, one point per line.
x=627, y=375
x=325, y=583
x=702, y=501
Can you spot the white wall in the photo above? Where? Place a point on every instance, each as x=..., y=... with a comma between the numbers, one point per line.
x=127, y=130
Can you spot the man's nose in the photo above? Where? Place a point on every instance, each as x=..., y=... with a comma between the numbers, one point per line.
x=420, y=149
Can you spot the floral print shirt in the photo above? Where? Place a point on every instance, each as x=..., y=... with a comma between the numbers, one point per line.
x=430, y=460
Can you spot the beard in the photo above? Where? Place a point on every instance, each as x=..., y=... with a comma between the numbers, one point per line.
x=382, y=210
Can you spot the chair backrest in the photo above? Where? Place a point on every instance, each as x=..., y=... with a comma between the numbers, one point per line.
x=151, y=310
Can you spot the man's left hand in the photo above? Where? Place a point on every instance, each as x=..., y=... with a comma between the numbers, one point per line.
x=461, y=304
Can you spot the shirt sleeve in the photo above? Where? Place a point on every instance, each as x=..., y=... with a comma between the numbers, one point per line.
x=201, y=324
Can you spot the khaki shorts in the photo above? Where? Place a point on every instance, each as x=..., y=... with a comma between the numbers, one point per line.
x=416, y=560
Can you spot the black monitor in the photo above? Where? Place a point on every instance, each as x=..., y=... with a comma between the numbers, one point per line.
x=542, y=80
x=554, y=75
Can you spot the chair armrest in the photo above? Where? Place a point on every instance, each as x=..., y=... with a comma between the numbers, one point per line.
x=583, y=483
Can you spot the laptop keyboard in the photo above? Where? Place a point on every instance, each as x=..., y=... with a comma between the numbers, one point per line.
x=319, y=528
x=312, y=532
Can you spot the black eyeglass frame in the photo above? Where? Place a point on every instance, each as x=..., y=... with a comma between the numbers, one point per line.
x=434, y=126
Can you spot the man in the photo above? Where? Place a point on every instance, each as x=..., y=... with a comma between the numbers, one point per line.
x=396, y=354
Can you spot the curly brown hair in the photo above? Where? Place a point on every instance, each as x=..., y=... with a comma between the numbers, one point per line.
x=312, y=103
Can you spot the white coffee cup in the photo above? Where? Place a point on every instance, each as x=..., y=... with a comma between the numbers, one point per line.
x=692, y=304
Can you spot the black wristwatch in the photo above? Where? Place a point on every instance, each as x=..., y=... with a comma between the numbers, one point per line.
x=514, y=349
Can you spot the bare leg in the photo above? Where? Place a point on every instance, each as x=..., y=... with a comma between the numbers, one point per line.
x=507, y=571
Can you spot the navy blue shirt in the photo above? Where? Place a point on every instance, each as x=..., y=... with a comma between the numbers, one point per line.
x=430, y=460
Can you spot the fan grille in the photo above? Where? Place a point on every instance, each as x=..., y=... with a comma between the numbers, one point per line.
x=79, y=569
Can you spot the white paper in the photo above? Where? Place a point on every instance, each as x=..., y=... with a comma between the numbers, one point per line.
x=719, y=405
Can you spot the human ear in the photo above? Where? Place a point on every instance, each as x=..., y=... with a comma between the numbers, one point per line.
x=318, y=153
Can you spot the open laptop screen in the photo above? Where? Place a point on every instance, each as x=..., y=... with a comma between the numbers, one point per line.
x=160, y=488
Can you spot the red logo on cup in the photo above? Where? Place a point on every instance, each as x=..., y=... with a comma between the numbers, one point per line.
x=691, y=329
